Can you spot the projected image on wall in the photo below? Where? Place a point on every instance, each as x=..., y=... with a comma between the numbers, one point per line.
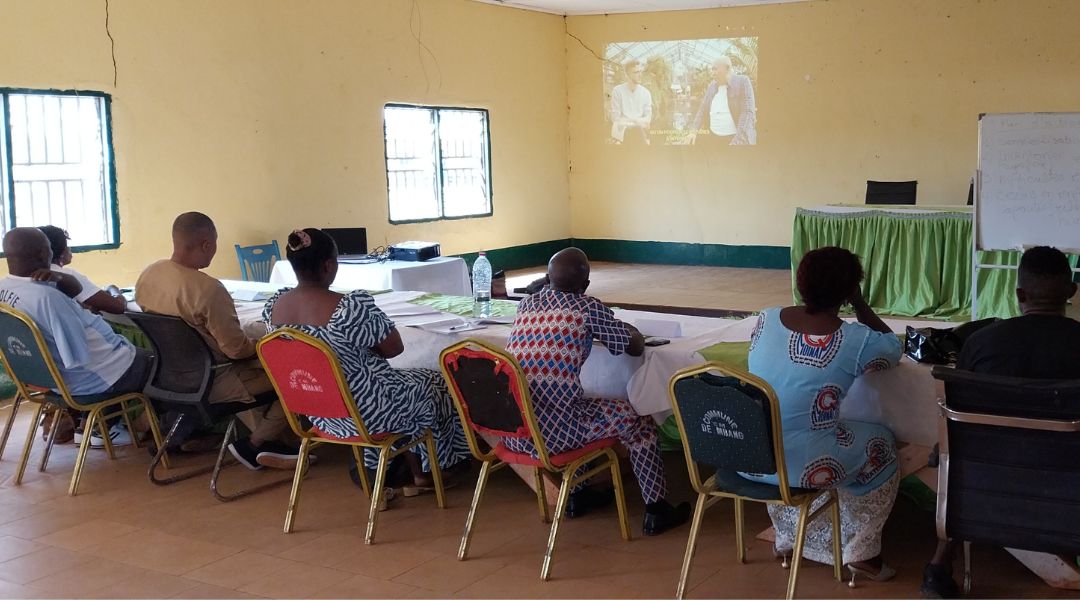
x=682, y=92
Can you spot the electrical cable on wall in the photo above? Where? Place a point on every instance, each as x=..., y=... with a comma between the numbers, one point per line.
x=112, y=43
x=421, y=47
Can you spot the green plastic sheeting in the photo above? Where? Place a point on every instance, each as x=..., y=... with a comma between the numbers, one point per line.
x=917, y=264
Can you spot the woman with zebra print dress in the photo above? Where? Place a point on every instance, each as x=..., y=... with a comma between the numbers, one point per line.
x=397, y=400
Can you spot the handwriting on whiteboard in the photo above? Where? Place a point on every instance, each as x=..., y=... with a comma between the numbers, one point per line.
x=1030, y=180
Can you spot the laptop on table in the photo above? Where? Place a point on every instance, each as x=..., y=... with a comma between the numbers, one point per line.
x=351, y=241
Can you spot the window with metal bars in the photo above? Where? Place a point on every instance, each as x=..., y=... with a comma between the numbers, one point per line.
x=57, y=166
x=438, y=162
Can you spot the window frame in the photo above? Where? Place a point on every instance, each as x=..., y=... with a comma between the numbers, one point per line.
x=439, y=163
x=110, y=160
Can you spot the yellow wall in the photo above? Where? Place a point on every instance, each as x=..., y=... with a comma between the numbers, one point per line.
x=849, y=90
x=267, y=114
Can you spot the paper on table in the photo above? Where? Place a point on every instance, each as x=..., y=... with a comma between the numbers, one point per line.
x=404, y=309
x=508, y=320
x=448, y=326
x=659, y=327
x=249, y=295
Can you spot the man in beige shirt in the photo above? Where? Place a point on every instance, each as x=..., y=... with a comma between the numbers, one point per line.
x=178, y=288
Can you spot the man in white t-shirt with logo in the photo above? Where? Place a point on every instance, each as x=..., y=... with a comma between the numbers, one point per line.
x=91, y=357
x=631, y=107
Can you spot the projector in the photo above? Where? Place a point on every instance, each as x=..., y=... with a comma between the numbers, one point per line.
x=414, y=251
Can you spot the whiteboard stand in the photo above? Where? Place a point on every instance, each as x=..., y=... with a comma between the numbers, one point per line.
x=1030, y=197
x=975, y=264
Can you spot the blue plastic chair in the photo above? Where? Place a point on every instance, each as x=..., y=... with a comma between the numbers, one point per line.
x=257, y=261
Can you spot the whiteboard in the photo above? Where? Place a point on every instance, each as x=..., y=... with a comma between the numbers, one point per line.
x=1029, y=181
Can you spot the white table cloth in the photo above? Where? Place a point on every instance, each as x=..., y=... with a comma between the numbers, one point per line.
x=603, y=375
x=885, y=208
x=904, y=398
x=443, y=275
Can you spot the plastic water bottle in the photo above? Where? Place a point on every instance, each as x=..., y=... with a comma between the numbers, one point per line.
x=481, y=285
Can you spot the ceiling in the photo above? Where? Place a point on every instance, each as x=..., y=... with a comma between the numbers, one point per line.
x=594, y=7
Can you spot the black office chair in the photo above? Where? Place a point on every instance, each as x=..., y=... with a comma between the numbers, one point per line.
x=180, y=384
x=891, y=192
x=1007, y=471
x=730, y=420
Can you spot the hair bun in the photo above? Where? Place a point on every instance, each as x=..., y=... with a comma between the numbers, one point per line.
x=298, y=240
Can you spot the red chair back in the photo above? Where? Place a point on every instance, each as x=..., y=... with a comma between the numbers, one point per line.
x=489, y=389
x=307, y=377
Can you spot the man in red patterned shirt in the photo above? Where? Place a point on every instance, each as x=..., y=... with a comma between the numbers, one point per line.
x=552, y=337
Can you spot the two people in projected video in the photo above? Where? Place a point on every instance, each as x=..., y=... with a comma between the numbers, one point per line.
x=727, y=114
x=631, y=107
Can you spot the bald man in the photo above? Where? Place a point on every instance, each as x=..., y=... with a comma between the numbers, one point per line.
x=727, y=115
x=177, y=287
x=91, y=357
x=552, y=337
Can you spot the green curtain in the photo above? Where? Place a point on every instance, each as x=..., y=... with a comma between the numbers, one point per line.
x=917, y=264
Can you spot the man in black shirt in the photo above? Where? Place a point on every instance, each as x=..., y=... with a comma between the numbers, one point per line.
x=1041, y=344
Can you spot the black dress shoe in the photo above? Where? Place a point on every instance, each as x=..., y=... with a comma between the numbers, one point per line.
x=661, y=516
x=586, y=500
x=937, y=582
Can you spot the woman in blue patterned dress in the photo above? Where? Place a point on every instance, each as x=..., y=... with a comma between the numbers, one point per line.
x=811, y=357
x=406, y=401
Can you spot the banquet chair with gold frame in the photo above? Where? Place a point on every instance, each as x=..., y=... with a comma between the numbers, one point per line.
x=492, y=397
x=26, y=357
x=731, y=422
x=308, y=379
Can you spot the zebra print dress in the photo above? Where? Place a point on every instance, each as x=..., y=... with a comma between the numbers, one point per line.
x=404, y=401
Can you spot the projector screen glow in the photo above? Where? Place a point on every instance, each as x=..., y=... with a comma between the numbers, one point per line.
x=682, y=92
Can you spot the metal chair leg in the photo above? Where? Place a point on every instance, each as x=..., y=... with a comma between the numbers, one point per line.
x=220, y=465
x=57, y=412
x=10, y=421
x=560, y=510
x=620, y=494
x=358, y=456
x=837, y=546
x=29, y=445
x=92, y=418
x=541, y=494
x=740, y=532
x=103, y=425
x=155, y=429
x=161, y=457
x=298, y=480
x=691, y=545
x=380, y=481
x=124, y=412
x=436, y=470
x=478, y=494
x=967, y=568
x=796, y=557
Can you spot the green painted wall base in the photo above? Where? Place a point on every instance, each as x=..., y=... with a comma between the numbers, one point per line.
x=624, y=251
x=679, y=253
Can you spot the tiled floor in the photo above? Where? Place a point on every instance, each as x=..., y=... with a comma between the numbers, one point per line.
x=123, y=537
x=673, y=285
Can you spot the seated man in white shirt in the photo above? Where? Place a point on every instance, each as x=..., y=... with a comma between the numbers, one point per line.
x=92, y=296
x=91, y=357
